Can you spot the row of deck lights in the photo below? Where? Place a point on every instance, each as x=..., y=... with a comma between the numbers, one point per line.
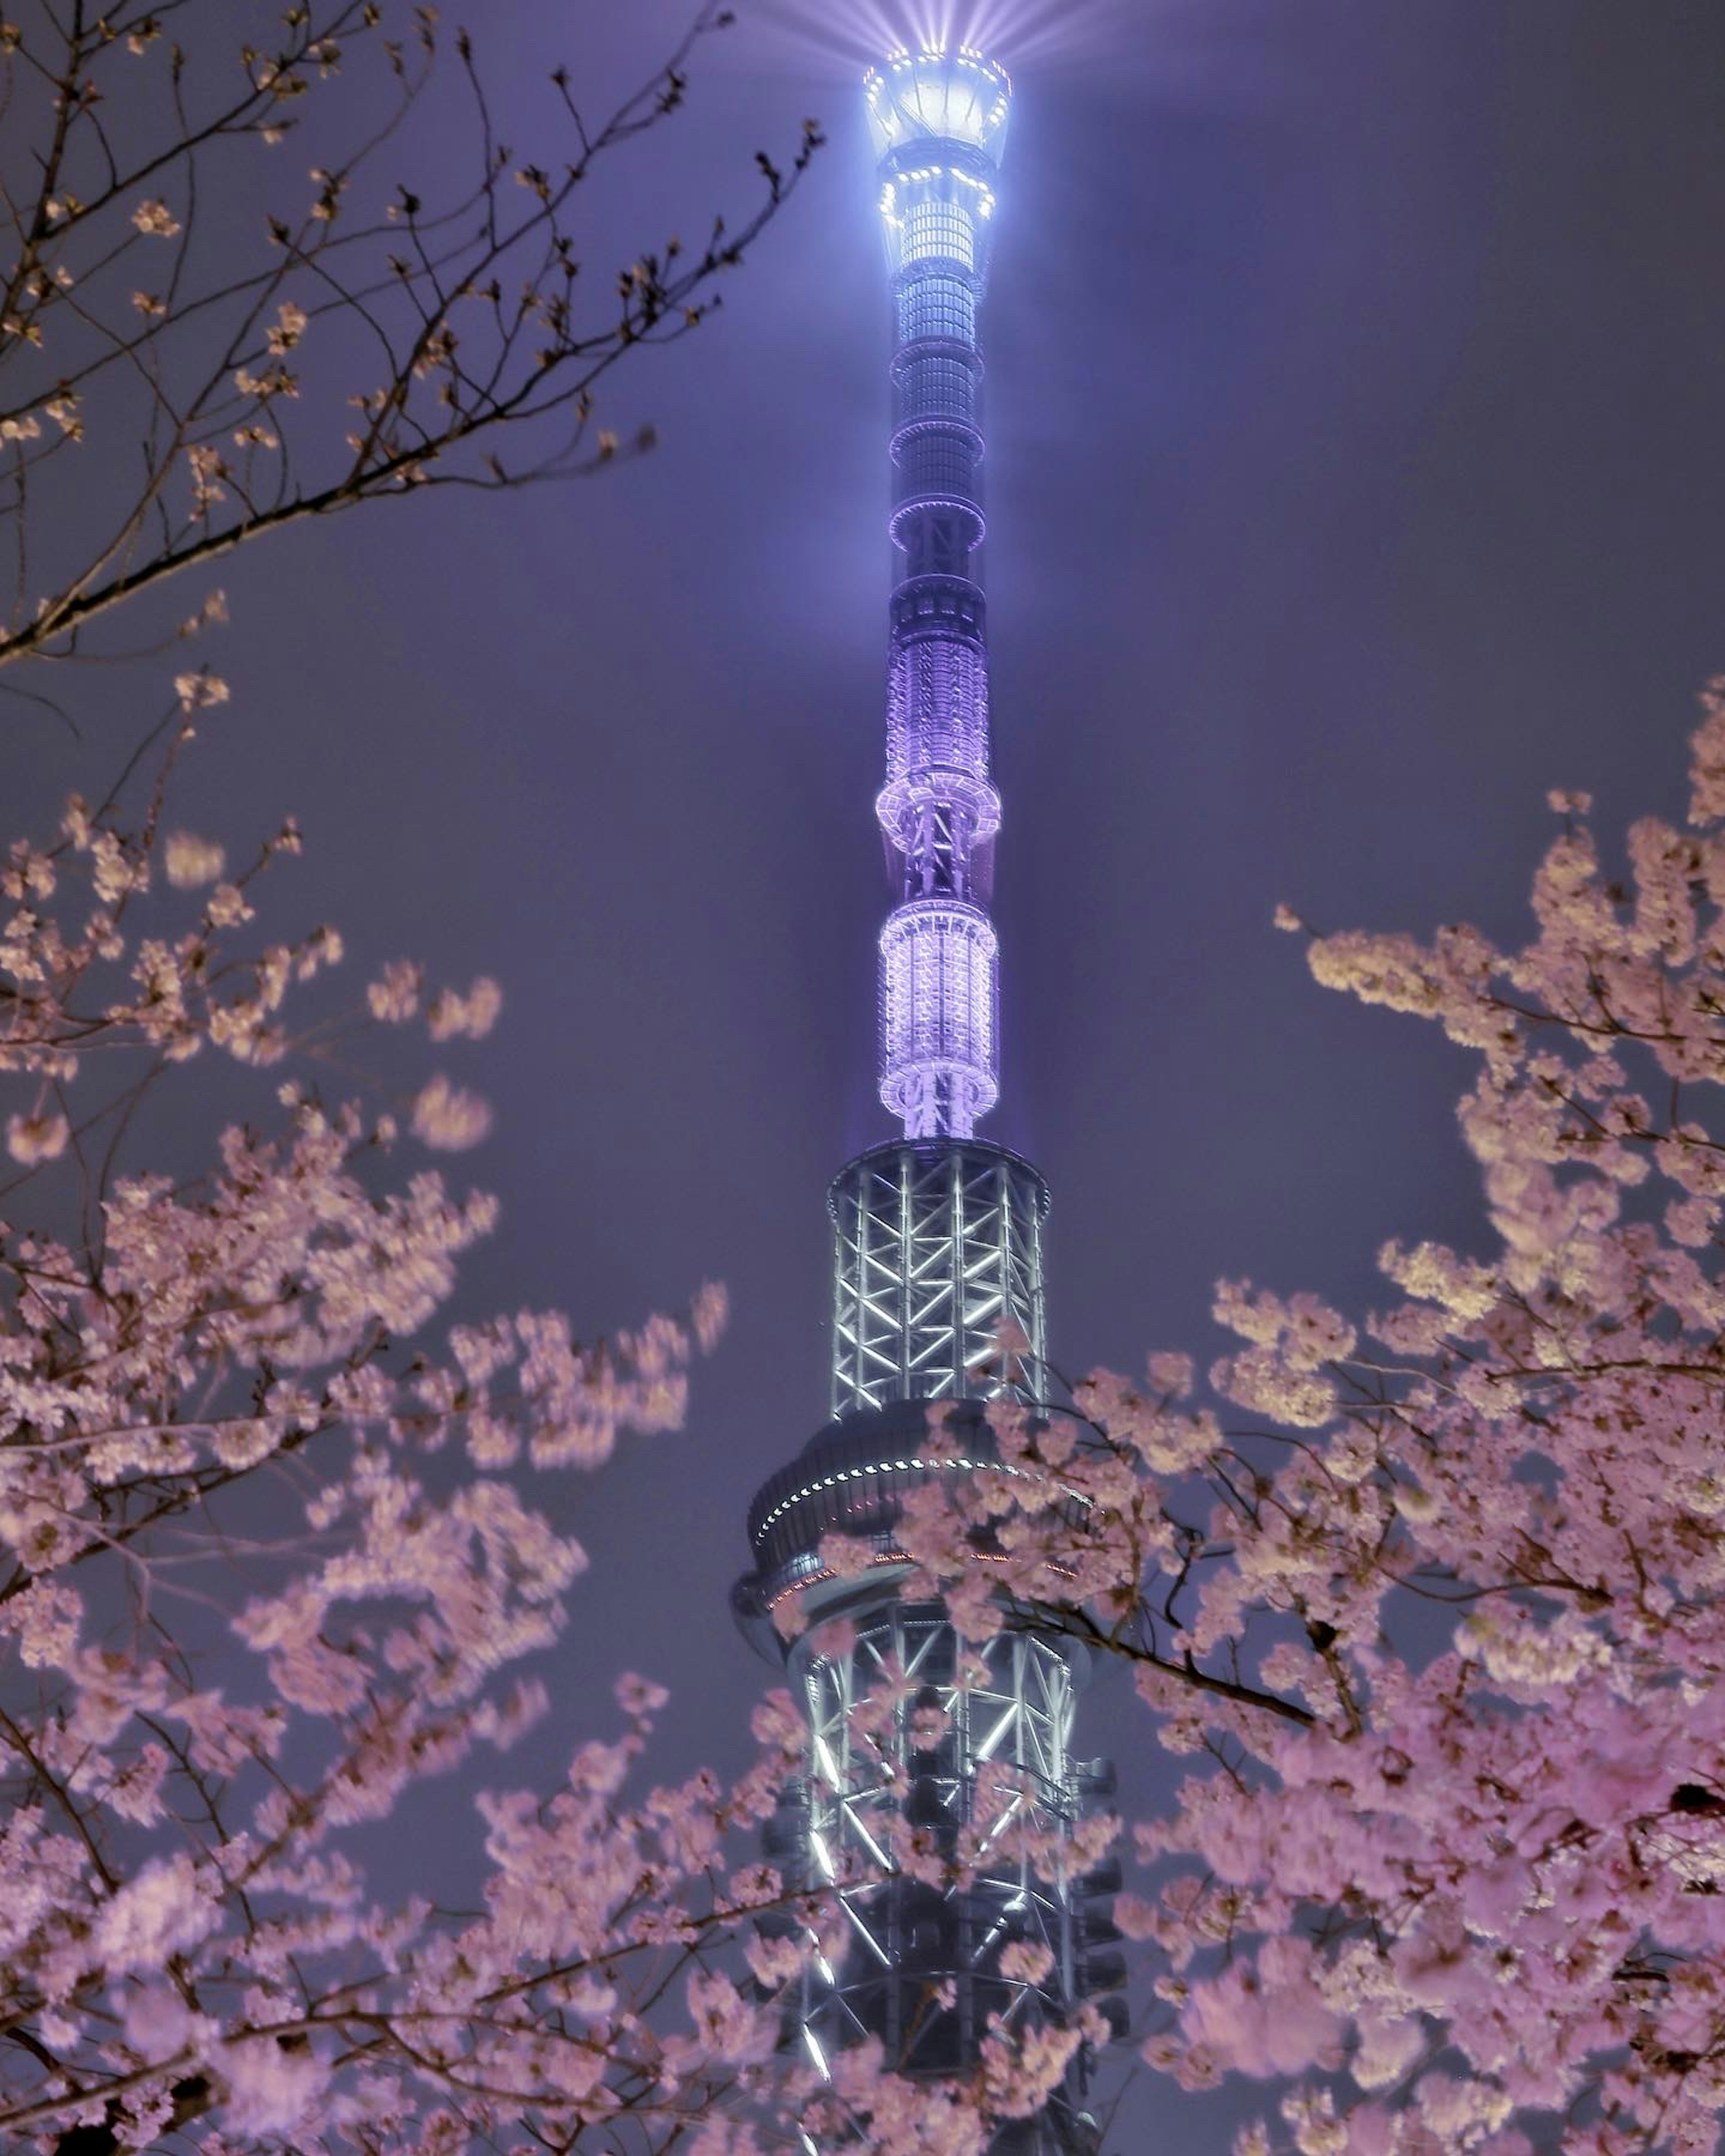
x=889, y=190
x=862, y=1474
x=886, y=1467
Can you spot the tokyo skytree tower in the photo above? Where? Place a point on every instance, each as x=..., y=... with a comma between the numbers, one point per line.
x=937, y=1261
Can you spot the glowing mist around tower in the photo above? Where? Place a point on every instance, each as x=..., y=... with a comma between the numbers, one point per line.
x=938, y=1283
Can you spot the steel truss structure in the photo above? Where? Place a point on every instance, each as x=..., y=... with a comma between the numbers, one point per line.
x=936, y=1256
x=913, y=1736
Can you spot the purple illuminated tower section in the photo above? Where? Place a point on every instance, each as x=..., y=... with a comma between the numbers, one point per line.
x=939, y=1246
x=938, y=1294
x=938, y=136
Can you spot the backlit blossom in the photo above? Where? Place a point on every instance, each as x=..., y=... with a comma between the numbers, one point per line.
x=166, y=1909
x=709, y=1314
x=270, y=2084
x=31, y=1139
x=191, y=861
x=228, y=906
x=394, y=996
x=472, y=1015
x=288, y=328
x=448, y=1118
x=198, y=691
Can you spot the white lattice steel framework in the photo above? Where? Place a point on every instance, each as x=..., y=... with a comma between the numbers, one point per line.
x=976, y=1745
x=937, y=1255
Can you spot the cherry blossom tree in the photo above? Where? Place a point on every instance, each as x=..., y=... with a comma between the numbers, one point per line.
x=210, y=1434
x=266, y=1556
x=1431, y=1599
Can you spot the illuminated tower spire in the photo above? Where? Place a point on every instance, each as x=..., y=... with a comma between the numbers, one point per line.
x=937, y=1284
x=939, y=1248
x=939, y=127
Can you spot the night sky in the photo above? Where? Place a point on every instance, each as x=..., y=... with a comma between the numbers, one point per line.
x=1355, y=474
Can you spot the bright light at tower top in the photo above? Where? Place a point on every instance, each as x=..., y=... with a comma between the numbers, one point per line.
x=939, y=95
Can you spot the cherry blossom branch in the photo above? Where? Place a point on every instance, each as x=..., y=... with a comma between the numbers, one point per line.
x=432, y=401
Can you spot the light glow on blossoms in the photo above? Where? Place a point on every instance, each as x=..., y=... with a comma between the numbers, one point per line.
x=191, y=861
x=470, y=1017
x=449, y=1118
x=35, y=1139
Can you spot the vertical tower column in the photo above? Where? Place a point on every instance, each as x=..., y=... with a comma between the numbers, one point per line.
x=933, y=1763
x=937, y=1257
x=928, y=1752
x=939, y=125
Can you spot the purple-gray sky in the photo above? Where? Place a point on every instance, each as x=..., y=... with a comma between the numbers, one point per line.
x=1356, y=472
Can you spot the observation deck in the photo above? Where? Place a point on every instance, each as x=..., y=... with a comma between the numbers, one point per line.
x=936, y=96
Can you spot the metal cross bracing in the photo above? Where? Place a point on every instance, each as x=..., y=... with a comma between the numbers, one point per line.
x=869, y=1785
x=937, y=1251
x=927, y=1751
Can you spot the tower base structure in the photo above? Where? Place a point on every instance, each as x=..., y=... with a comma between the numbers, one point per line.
x=940, y=1787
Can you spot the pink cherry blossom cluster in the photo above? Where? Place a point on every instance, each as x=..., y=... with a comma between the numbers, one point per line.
x=1432, y=1602
x=212, y=1430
